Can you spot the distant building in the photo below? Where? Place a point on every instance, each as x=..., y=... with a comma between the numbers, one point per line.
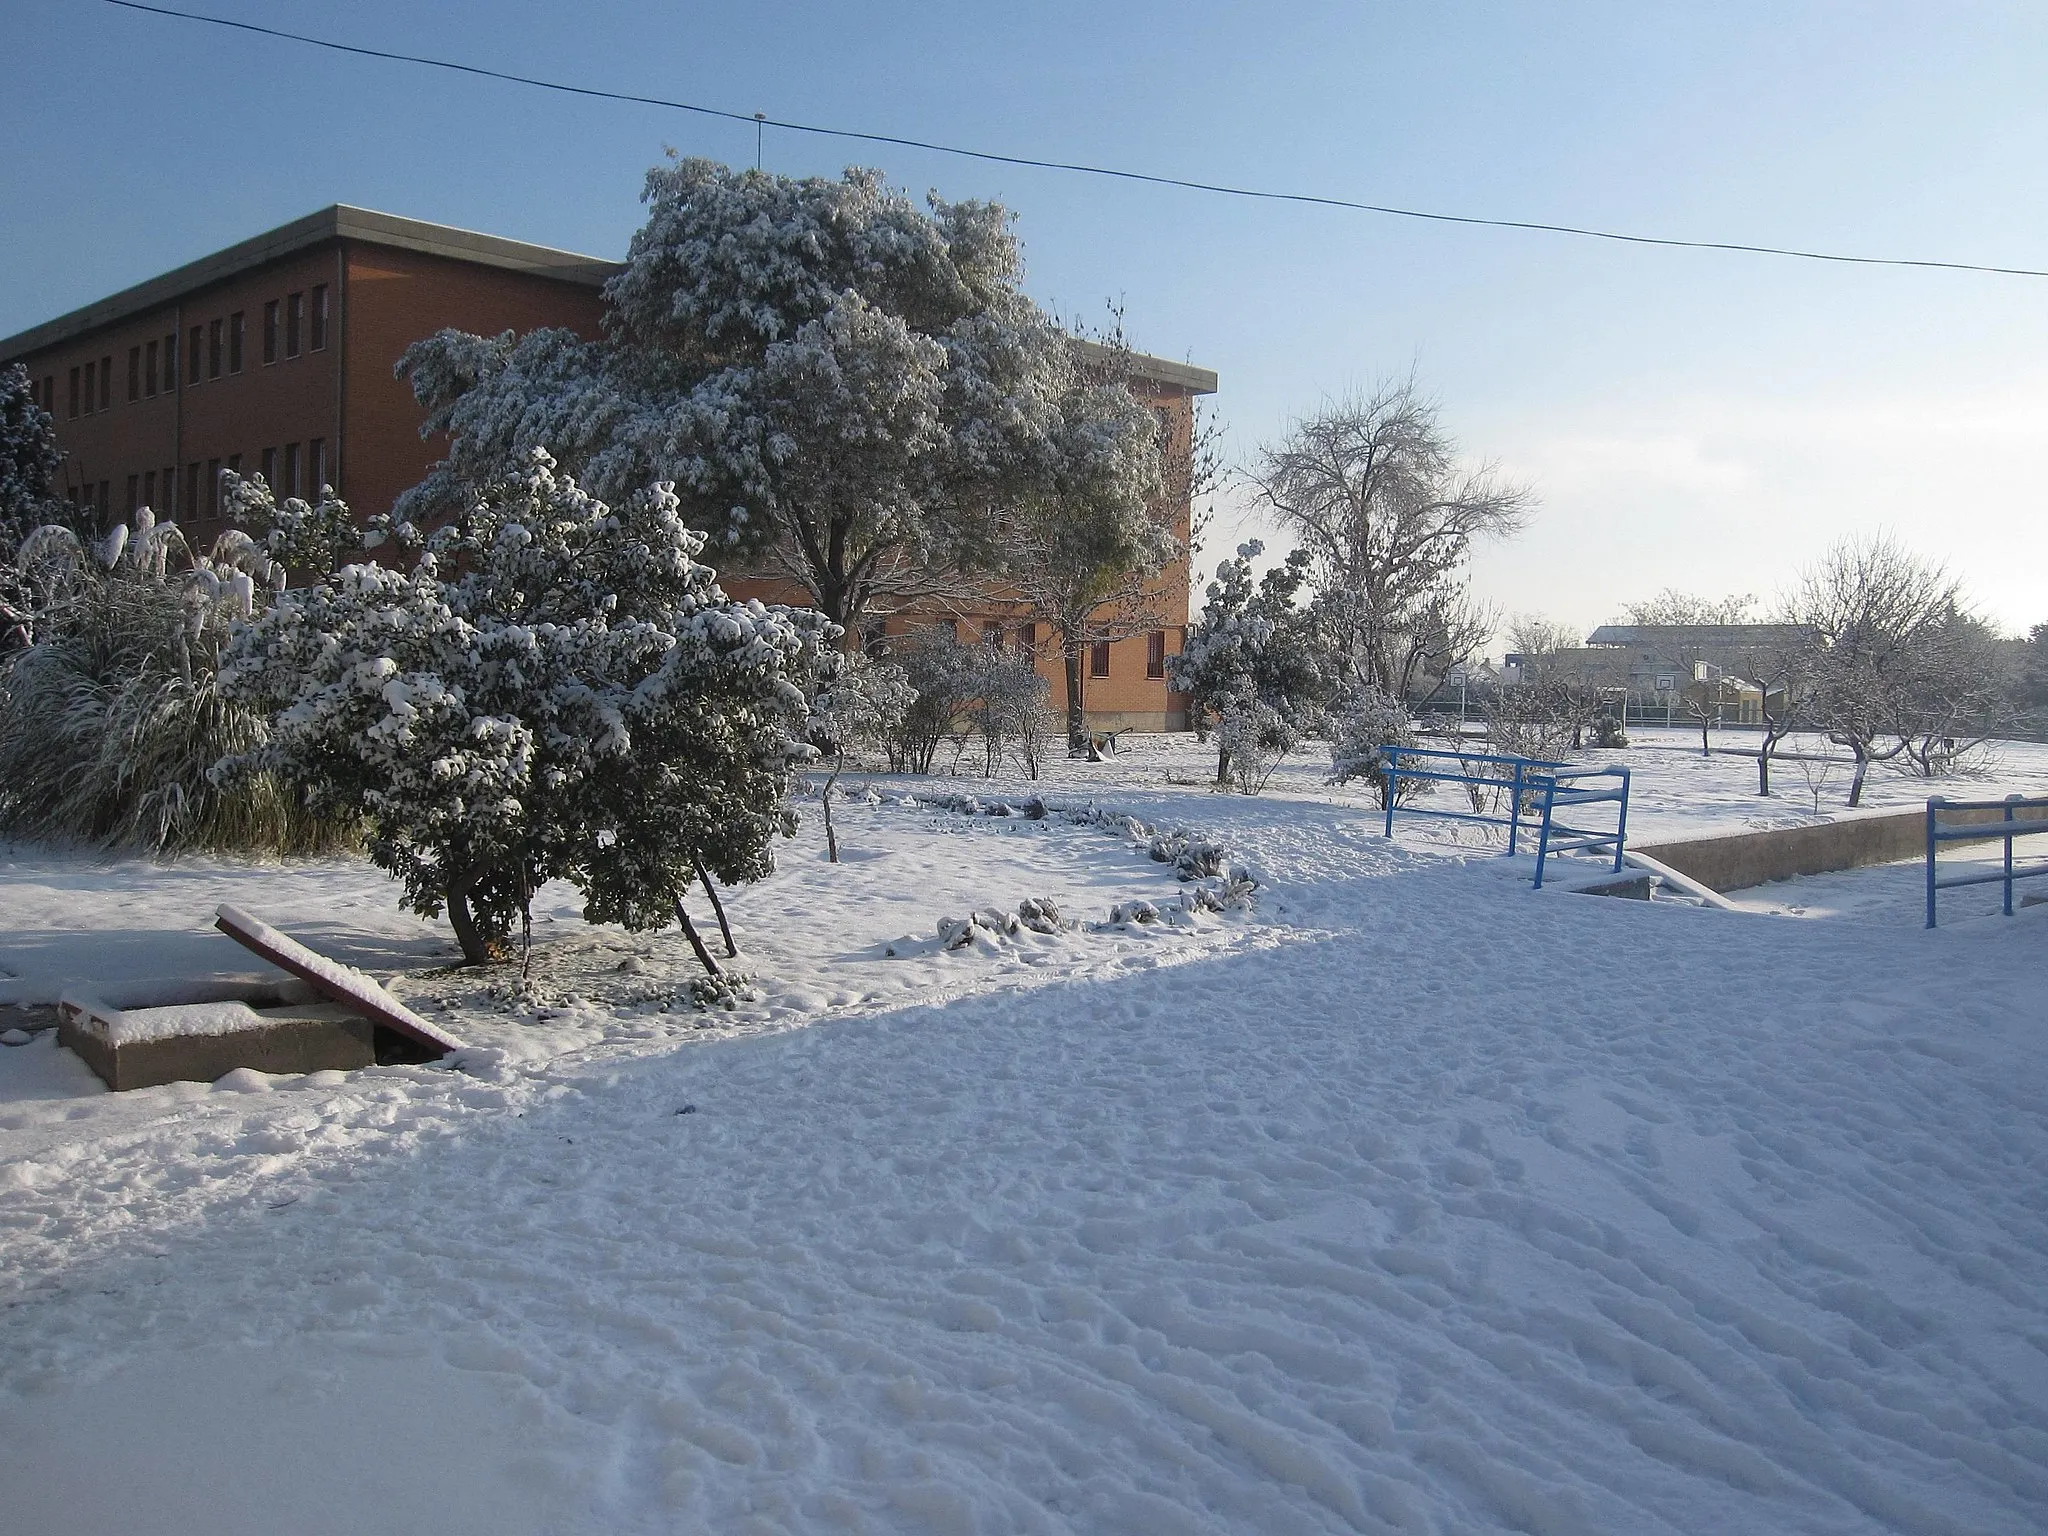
x=276, y=355
x=1729, y=668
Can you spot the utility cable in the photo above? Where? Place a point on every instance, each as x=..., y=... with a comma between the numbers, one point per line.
x=759, y=121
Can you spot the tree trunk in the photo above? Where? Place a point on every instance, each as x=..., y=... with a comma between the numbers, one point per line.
x=477, y=948
x=831, y=837
x=690, y=932
x=1077, y=709
x=718, y=907
x=1763, y=766
x=1856, y=780
x=1222, y=765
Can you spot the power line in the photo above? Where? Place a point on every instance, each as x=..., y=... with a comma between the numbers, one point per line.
x=1114, y=173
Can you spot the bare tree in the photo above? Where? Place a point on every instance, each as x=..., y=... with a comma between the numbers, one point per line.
x=1674, y=607
x=1536, y=639
x=1876, y=611
x=1372, y=488
x=1786, y=675
x=1960, y=695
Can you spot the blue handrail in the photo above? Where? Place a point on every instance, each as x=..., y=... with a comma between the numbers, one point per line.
x=2005, y=829
x=1518, y=780
x=1577, y=839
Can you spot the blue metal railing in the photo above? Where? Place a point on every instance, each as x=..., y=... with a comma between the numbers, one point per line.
x=2003, y=830
x=1559, y=791
x=1518, y=777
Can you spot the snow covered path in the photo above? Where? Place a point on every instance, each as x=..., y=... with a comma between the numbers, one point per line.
x=1404, y=1209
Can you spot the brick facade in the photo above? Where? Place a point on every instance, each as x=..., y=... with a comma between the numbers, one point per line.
x=275, y=356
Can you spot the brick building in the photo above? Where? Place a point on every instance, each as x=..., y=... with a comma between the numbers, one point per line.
x=275, y=356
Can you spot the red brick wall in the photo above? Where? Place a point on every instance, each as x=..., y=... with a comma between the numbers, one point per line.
x=395, y=298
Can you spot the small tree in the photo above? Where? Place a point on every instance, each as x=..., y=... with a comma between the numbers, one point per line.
x=855, y=702
x=1257, y=737
x=554, y=688
x=1252, y=642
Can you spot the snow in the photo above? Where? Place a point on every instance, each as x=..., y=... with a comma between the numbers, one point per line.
x=131, y=1026
x=1409, y=1200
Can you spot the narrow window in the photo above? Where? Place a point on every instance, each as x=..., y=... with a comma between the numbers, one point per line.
x=149, y=488
x=71, y=400
x=134, y=374
x=106, y=382
x=316, y=466
x=214, y=337
x=992, y=634
x=195, y=341
x=269, y=470
x=270, y=331
x=235, y=342
x=1098, y=659
x=170, y=362
x=50, y=393
x=191, y=506
x=235, y=462
x=149, y=370
x=291, y=469
x=1027, y=642
x=319, y=316
x=213, y=477
x=294, y=316
x=91, y=378
x=1155, y=654
x=134, y=493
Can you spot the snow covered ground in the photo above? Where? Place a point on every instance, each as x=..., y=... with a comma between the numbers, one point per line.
x=1411, y=1200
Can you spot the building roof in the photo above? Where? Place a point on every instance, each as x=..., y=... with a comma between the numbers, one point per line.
x=1728, y=637
x=339, y=222
x=366, y=225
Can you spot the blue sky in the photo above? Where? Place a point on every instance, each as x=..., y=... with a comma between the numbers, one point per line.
x=1703, y=421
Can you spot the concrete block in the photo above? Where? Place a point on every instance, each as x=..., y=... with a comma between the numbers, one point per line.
x=139, y=1048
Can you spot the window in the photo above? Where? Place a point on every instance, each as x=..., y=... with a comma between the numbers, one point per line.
x=235, y=462
x=269, y=470
x=319, y=317
x=71, y=400
x=213, y=477
x=294, y=315
x=1027, y=642
x=91, y=378
x=213, y=348
x=191, y=506
x=270, y=331
x=1155, y=654
x=196, y=340
x=134, y=493
x=316, y=466
x=102, y=506
x=106, y=382
x=134, y=374
x=171, y=362
x=149, y=488
x=1098, y=659
x=992, y=634
x=235, y=342
x=50, y=393
x=149, y=370
x=291, y=469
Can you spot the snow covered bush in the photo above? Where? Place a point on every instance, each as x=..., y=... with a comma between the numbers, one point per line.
x=1254, y=737
x=111, y=712
x=944, y=676
x=28, y=461
x=554, y=687
x=295, y=534
x=1363, y=723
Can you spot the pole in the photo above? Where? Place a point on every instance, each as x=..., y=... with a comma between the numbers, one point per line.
x=2009, y=799
x=1932, y=806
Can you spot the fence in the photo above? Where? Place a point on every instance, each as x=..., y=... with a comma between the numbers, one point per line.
x=2003, y=830
x=1522, y=778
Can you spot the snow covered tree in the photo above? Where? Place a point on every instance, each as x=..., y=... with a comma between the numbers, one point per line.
x=841, y=387
x=554, y=687
x=296, y=534
x=28, y=460
x=1252, y=643
x=1373, y=489
x=1364, y=722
